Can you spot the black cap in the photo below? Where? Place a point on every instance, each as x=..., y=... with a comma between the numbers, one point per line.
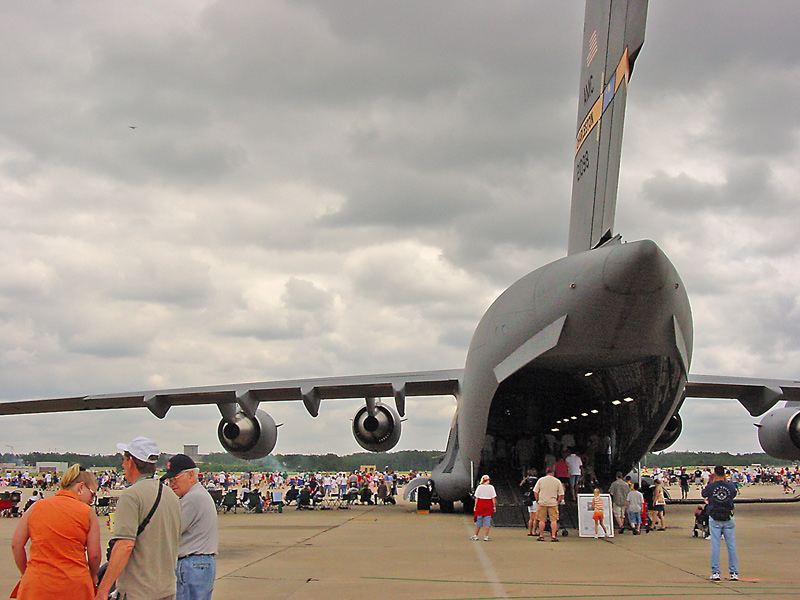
x=178, y=464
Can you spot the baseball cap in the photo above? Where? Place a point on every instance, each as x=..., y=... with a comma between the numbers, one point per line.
x=142, y=448
x=178, y=464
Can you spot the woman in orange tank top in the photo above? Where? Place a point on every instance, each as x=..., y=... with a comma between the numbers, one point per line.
x=65, y=543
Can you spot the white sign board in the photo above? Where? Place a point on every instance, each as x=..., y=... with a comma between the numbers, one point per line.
x=586, y=514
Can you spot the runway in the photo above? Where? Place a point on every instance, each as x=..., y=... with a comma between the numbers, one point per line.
x=392, y=553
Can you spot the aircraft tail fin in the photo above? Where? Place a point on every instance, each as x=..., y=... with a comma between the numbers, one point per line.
x=613, y=35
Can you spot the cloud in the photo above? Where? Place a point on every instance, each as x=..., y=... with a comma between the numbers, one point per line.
x=318, y=189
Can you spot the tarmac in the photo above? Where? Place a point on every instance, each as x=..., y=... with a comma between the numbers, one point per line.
x=392, y=553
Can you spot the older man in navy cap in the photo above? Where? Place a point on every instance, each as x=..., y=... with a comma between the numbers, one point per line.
x=198, y=546
x=147, y=528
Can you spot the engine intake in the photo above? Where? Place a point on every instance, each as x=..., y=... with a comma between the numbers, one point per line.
x=377, y=428
x=779, y=433
x=248, y=438
x=670, y=435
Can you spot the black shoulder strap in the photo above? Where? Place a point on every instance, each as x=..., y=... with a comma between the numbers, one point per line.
x=152, y=511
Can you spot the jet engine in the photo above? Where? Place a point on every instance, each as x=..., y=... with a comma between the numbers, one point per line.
x=248, y=438
x=670, y=434
x=779, y=433
x=376, y=427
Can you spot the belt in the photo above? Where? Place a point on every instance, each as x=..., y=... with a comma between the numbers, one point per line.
x=190, y=555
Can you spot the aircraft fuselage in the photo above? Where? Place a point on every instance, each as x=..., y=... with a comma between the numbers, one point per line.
x=596, y=345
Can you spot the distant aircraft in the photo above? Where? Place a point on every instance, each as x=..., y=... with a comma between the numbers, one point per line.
x=595, y=346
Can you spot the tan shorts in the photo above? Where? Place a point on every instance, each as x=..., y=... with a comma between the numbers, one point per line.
x=547, y=512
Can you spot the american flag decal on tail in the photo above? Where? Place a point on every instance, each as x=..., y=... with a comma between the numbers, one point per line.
x=592, y=48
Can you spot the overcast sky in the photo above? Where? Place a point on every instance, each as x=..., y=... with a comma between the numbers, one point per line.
x=200, y=192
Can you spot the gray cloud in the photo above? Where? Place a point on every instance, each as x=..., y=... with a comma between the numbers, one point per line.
x=322, y=188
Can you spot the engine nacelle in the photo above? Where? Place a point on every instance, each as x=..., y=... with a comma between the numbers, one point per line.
x=377, y=430
x=248, y=438
x=670, y=435
x=779, y=433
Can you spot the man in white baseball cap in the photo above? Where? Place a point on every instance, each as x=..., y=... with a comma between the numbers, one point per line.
x=142, y=448
x=145, y=550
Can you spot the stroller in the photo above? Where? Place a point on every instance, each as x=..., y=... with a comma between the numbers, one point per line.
x=9, y=504
x=701, y=521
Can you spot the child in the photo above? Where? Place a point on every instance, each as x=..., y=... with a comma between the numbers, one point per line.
x=597, y=507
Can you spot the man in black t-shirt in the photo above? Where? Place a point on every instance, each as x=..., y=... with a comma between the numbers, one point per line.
x=684, y=479
x=527, y=486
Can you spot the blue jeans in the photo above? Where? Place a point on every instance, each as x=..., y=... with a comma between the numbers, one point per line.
x=726, y=529
x=195, y=576
x=484, y=521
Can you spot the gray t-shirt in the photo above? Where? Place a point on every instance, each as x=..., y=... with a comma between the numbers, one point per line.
x=619, y=492
x=150, y=572
x=635, y=500
x=198, y=522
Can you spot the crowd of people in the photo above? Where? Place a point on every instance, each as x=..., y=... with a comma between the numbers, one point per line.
x=164, y=539
x=257, y=491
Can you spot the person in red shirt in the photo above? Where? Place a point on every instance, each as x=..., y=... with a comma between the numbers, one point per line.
x=485, y=505
x=561, y=470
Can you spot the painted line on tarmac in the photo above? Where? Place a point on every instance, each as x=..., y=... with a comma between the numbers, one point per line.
x=488, y=568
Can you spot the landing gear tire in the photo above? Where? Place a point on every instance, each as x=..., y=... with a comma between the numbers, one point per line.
x=468, y=505
x=446, y=506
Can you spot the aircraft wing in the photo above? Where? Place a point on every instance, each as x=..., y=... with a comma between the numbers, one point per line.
x=248, y=395
x=756, y=395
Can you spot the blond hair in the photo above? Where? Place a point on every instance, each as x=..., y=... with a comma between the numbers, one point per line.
x=77, y=474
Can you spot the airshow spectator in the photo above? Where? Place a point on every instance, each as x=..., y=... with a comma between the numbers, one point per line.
x=598, y=514
x=485, y=505
x=65, y=542
x=549, y=492
x=527, y=486
x=619, y=500
x=197, y=562
x=145, y=552
x=684, y=479
x=561, y=470
x=720, y=494
x=634, y=506
x=575, y=466
x=659, y=506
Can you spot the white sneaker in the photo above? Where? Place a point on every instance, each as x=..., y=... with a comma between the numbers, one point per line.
x=734, y=577
x=596, y=536
x=714, y=577
x=487, y=539
x=474, y=538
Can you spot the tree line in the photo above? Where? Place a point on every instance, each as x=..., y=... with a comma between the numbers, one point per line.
x=684, y=459
x=404, y=460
